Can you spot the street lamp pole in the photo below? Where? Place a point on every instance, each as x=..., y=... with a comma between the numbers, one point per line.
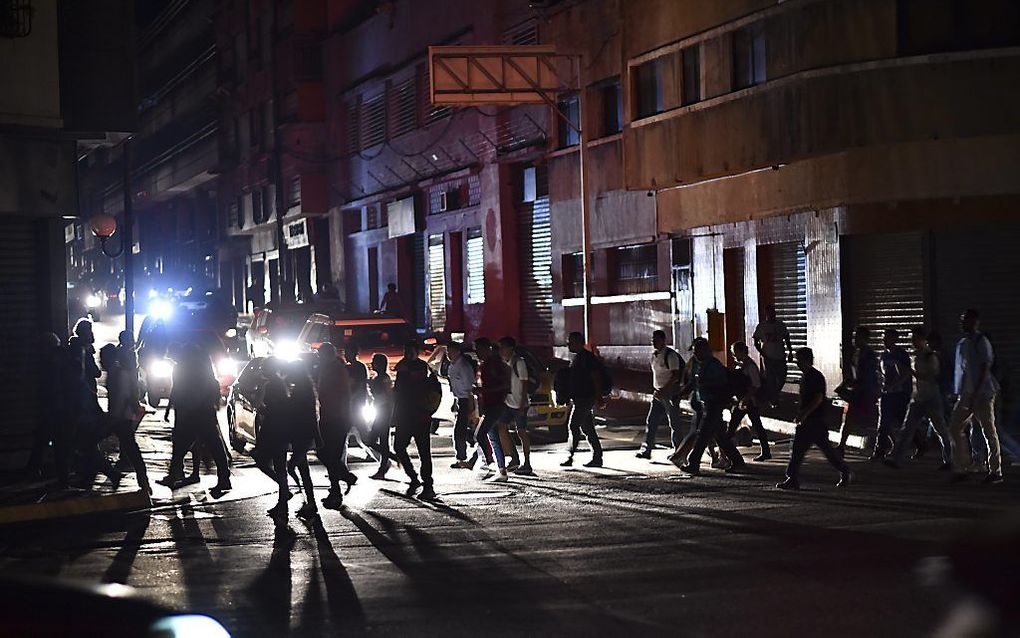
x=128, y=240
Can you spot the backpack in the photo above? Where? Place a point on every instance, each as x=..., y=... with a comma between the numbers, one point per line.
x=433, y=393
x=605, y=378
x=561, y=385
x=533, y=367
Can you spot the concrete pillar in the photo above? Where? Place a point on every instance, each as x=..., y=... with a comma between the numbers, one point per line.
x=751, y=292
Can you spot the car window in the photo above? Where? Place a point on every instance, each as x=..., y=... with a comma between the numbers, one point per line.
x=251, y=376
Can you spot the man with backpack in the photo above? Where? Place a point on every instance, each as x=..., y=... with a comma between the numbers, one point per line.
x=523, y=381
x=667, y=367
x=462, y=373
x=414, y=403
x=712, y=389
x=975, y=387
x=749, y=392
x=588, y=385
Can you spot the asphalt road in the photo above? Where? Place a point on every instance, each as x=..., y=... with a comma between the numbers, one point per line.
x=632, y=547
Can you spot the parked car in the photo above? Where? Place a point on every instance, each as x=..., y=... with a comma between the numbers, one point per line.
x=157, y=351
x=243, y=399
x=283, y=323
x=547, y=419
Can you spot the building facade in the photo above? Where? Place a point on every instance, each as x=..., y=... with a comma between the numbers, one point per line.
x=450, y=205
x=852, y=162
x=50, y=74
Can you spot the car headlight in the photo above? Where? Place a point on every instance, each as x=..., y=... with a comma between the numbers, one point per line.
x=161, y=369
x=227, y=367
x=92, y=301
x=368, y=413
x=160, y=309
x=287, y=350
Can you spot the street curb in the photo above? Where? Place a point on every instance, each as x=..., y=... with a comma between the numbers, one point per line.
x=777, y=426
x=74, y=507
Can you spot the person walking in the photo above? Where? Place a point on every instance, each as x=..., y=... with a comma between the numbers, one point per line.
x=90, y=422
x=976, y=389
x=747, y=405
x=667, y=367
x=495, y=377
x=270, y=452
x=925, y=402
x=302, y=431
x=516, y=404
x=461, y=373
x=381, y=388
x=770, y=337
x=357, y=372
x=896, y=392
x=335, y=415
x=413, y=419
x=125, y=412
x=58, y=401
x=195, y=398
x=586, y=382
x=860, y=389
x=711, y=385
x=811, y=428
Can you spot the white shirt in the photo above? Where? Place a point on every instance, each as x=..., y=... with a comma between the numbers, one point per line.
x=973, y=352
x=773, y=336
x=665, y=363
x=462, y=378
x=518, y=396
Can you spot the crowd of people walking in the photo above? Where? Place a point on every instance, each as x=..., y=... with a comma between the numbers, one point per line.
x=897, y=400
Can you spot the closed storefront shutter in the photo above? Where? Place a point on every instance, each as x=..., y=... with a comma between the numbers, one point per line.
x=789, y=289
x=20, y=328
x=886, y=275
x=979, y=268
x=437, y=282
x=536, y=275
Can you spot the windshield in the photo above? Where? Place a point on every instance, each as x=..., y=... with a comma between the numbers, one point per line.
x=161, y=339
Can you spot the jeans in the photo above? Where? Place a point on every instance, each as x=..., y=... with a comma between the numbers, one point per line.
x=463, y=432
x=806, y=435
x=668, y=409
x=414, y=427
x=712, y=427
x=892, y=413
x=487, y=431
x=582, y=422
x=916, y=412
x=333, y=452
x=737, y=415
x=980, y=410
x=775, y=376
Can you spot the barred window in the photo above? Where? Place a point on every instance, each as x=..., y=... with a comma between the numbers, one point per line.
x=636, y=268
x=373, y=121
x=475, y=266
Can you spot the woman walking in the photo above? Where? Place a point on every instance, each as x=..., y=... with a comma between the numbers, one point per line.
x=381, y=387
x=125, y=412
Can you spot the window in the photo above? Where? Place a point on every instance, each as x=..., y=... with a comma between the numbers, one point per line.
x=935, y=26
x=294, y=192
x=403, y=108
x=691, y=88
x=573, y=276
x=611, y=103
x=256, y=206
x=475, y=266
x=749, y=56
x=648, y=88
x=437, y=282
x=570, y=108
x=636, y=268
x=372, y=129
x=353, y=141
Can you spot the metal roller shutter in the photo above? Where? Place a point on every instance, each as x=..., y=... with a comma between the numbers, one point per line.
x=978, y=268
x=20, y=327
x=886, y=283
x=789, y=286
x=536, y=275
x=437, y=282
